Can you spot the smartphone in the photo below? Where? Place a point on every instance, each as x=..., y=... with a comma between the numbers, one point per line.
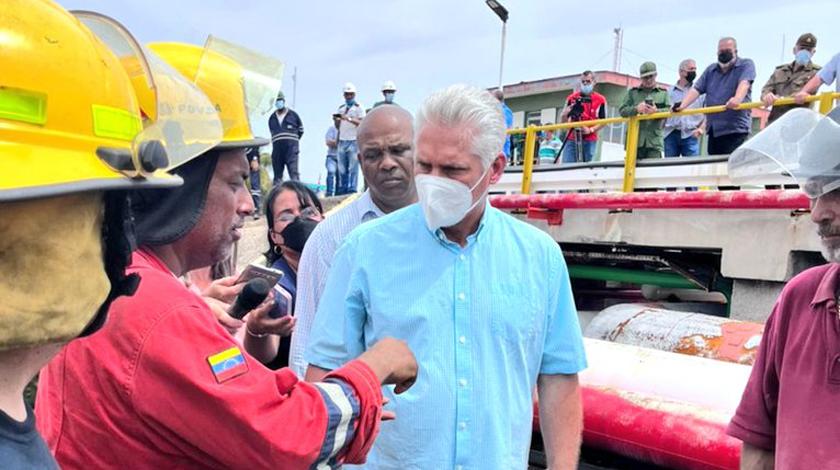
x=254, y=270
x=282, y=303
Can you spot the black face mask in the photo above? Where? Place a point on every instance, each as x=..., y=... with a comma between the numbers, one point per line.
x=724, y=57
x=297, y=232
x=690, y=76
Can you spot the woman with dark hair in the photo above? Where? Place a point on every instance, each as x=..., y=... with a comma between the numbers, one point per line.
x=292, y=210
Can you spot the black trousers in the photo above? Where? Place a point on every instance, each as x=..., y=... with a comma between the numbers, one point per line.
x=284, y=155
x=725, y=144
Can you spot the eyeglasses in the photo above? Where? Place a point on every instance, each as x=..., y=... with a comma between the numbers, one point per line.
x=306, y=213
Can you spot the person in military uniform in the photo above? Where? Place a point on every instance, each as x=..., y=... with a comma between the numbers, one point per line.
x=647, y=98
x=791, y=77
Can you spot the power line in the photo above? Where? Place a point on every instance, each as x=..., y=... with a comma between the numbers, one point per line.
x=647, y=59
x=599, y=59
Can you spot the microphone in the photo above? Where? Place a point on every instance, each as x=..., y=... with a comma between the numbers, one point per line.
x=252, y=295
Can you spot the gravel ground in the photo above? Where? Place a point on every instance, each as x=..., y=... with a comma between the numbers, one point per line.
x=254, y=242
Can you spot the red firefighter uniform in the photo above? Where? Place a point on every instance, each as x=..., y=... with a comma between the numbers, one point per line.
x=163, y=385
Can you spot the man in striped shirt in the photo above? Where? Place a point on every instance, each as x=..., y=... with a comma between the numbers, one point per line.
x=386, y=154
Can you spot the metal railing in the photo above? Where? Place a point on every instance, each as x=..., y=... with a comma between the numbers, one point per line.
x=826, y=102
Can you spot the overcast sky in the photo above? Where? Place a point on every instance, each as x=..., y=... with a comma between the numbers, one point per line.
x=426, y=45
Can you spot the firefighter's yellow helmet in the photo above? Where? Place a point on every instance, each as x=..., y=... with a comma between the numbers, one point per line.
x=240, y=83
x=66, y=106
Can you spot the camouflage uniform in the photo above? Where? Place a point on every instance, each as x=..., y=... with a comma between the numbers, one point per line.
x=788, y=79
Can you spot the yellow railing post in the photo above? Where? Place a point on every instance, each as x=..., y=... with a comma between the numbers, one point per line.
x=826, y=102
x=632, y=150
x=528, y=158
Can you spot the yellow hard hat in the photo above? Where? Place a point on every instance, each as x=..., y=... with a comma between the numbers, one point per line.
x=66, y=106
x=240, y=83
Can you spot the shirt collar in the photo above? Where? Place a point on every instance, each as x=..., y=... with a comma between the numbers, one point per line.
x=367, y=208
x=152, y=260
x=471, y=238
x=678, y=87
x=827, y=289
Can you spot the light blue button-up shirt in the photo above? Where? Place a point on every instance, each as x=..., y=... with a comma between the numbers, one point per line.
x=483, y=321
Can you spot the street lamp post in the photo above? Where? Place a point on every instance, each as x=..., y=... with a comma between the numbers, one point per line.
x=502, y=13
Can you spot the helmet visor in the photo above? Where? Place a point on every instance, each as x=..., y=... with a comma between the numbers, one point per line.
x=259, y=76
x=180, y=121
x=802, y=147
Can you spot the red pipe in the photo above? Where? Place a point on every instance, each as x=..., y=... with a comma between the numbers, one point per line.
x=766, y=199
x=644, y=430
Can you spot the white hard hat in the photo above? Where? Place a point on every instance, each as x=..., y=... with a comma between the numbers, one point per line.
x=349, y=88
x=389, y=86
x=802, y=144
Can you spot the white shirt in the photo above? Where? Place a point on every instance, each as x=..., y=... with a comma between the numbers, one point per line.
x=348, y=130
x=315, y=262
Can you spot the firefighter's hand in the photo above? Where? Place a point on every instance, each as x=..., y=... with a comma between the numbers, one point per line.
x=387, y=415
x=225, y=289
x=393, y=363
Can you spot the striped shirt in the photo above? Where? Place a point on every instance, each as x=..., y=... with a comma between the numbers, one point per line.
x=480, y=343
x=314, y=266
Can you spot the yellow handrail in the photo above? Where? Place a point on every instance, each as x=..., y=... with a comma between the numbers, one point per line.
x=826, y=102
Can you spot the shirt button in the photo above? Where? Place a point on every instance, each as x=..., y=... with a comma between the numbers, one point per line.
x=461, y=296
x=462, y=425
x=462, y=339
x=458, y=467
x=462, y=258
x=462, y=382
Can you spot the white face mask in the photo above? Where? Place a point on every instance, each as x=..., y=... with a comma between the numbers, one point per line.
x=445, y=202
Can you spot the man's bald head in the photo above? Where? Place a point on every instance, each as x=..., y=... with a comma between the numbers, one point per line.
x=386, y=155
x=381, y=117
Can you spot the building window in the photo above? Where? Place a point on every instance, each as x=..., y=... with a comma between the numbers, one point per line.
x=533, y=118
x=616, y=132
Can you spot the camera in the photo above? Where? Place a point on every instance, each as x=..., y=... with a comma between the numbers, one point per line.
x=577, y=107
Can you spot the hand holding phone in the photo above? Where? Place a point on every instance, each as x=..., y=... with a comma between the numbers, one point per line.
x=254, y=270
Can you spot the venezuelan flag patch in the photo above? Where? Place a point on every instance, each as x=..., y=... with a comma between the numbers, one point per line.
x=228, y=364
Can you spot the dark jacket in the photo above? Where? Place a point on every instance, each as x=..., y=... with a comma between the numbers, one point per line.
x=291, y=129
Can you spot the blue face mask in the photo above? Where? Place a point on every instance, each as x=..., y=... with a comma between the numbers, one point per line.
x=586, y=89
x=803, y=57
x=349, y=101
x=280, y=104
x=389, y=97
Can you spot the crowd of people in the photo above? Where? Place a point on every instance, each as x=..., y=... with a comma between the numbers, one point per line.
x=388, y=341
x=727, y=82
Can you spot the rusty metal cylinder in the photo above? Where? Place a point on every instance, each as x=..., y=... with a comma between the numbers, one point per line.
x=688, y=333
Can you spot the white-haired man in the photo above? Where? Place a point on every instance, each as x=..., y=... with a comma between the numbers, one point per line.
x=428, y=274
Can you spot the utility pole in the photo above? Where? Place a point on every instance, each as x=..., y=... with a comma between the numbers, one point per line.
x=782, y=56
x=294, y=88
x=502, y=13
x=619, y=44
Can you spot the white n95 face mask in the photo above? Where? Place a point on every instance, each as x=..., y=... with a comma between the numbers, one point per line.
x=445, y=202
